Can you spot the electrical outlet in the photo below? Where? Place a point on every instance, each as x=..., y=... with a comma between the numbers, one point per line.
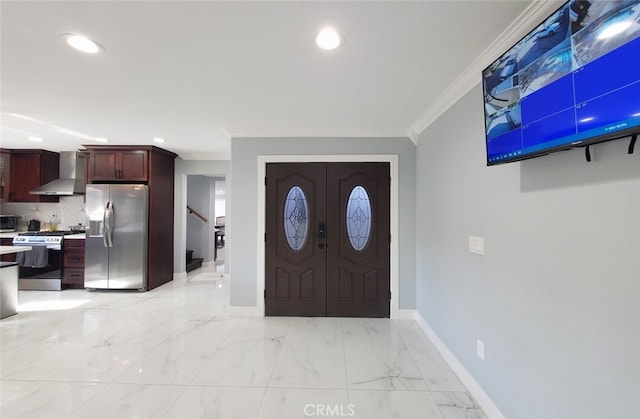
x=480, y=349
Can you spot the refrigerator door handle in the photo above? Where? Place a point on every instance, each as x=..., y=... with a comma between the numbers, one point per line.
x=108, y=224
x=105, y=225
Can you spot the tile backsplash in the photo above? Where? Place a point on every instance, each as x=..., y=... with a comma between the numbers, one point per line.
x=68, y=212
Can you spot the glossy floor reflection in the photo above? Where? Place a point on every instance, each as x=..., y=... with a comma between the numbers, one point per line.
x=174, y=352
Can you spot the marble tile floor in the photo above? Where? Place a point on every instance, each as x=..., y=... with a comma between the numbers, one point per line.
x=174, y=352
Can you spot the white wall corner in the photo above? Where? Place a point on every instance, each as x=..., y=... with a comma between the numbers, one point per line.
x=179, y=276
x=245, y=311
x=405, y=314
x=478, y=393
x=533, y=15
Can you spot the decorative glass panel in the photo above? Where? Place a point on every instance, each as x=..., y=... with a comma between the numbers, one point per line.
x=296, y=218
x=359, y=218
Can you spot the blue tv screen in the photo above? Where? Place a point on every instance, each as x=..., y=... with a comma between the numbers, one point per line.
x=572, y=81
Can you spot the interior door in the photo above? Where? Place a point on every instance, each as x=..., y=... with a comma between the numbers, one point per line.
x=327, y=239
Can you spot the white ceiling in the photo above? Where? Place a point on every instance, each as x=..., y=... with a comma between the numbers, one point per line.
x=198, y=73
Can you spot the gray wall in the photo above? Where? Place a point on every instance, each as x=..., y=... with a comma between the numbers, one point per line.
x=243, y=201
x=200, y=199
x=216, y=168
x=556, y=298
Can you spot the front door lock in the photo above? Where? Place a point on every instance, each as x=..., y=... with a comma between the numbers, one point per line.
x=322, y=230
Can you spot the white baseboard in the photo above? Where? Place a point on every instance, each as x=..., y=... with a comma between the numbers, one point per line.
x=179, y=275
x=489, y=407
x=404, y=314
x=244, y=311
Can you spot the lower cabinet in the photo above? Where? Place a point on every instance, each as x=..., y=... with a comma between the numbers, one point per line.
x=9, y=257
x=73, y=263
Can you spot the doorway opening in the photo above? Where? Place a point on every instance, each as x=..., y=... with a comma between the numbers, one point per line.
x=205, y=222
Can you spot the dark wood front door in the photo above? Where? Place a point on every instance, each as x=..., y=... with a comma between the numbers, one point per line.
x=327, y=239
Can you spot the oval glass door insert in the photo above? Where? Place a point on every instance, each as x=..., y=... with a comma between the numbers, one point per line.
x=296, y=218
x=359, y=218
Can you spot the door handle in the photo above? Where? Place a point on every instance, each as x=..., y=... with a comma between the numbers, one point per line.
x=105, y=228
x=322, y=230
x=108, y=225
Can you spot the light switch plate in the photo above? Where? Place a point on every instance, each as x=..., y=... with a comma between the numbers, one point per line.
x=476, y=245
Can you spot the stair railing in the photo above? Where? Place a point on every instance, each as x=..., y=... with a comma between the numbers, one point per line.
x=196, y=213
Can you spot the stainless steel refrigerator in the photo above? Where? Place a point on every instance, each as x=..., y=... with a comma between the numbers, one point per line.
x=116, y=239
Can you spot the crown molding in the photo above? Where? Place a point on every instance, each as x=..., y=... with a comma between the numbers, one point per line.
x=205, y=156
x=532, y=16
x=318, y=133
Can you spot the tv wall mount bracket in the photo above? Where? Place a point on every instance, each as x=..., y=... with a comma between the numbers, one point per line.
x=630, y=150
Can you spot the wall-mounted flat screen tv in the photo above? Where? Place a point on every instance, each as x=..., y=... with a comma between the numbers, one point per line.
x=572, y=81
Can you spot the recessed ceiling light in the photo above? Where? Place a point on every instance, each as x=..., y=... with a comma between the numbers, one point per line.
x=101, y=140
x=159, y=140
x=35, y=139
x=82, y=43
x=328, y=39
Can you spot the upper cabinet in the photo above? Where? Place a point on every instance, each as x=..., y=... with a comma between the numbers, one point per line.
x=118, y=165
x=5, y=174
x=29, y=170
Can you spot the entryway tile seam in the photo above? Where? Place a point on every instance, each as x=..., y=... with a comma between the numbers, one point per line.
x=226, y=385
x=279, y=351
x=175, y=400
x=273, y=367
x=403, y=390
x=408, y=349
x=215, y=350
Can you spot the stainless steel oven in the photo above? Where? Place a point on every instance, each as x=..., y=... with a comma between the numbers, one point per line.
x=41, y=268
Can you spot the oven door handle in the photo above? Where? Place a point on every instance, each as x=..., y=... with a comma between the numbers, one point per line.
x=108, y=225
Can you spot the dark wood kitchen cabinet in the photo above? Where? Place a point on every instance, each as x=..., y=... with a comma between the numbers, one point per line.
x=9, y=257
x=111, y=165
x=73, y=263
x=5, y=174
x=154, y=167
x=29, y=170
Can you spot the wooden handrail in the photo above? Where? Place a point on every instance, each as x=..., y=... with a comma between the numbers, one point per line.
x=192, y=211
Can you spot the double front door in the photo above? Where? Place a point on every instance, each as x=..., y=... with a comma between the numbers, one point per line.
x=327, y=239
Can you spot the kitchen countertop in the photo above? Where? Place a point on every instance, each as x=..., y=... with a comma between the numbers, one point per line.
x=15, y=233
x=14, y=249
x=7, y=264
x=9, y=235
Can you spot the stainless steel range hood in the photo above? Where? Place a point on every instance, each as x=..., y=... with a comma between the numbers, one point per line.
x=71, y=180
